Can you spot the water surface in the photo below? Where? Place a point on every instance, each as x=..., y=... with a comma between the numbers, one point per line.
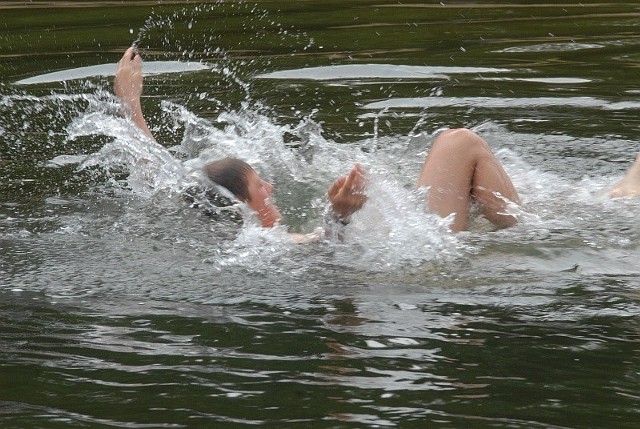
x=122, y=306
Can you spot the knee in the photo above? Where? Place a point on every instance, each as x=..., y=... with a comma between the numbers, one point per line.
x=459, y=139
x=455, y=132
x=459, y=134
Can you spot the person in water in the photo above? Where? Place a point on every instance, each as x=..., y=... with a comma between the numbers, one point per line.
x=460, y=170
x=346, y=195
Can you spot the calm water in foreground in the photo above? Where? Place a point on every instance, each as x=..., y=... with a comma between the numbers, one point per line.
x=122, y=306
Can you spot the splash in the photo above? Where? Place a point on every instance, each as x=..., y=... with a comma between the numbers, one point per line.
x=391, y=231
x=187, y=33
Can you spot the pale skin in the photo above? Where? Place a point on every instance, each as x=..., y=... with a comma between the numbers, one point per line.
x=629, y=186
x=127, y=86
x=460, y=169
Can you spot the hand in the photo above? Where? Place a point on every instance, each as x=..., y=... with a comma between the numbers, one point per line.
x=128, y=82
x=347, y=194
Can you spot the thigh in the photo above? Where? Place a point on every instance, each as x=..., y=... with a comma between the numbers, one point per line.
x=448, y=172
x=460, y=168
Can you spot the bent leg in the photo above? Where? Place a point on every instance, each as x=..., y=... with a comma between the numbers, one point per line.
x=629, y=186
x=460, y=168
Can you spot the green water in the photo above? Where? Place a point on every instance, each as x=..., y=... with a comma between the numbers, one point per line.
x=123, y=307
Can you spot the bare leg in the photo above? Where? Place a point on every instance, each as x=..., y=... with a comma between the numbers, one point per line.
x=629, y=186
x=460, y=168
x=128, y=88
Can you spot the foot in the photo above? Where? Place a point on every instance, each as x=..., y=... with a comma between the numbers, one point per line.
x=128, y=82
x=629, y=186
x=128, y=88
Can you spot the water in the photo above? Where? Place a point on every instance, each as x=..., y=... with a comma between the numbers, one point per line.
x=122, y=306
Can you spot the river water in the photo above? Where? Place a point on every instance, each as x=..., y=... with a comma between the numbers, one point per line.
x=123, y=306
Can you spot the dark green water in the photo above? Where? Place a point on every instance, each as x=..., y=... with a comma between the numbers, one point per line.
x=121, y=306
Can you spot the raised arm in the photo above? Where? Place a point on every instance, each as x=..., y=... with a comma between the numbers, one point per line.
x=347, y=194
x=629, y=186
x=128, y=88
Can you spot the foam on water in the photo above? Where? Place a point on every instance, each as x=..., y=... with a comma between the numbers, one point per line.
x=392, y=230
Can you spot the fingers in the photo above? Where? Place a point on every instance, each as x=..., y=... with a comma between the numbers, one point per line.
x=353, y=183
x=347, y=193
x=350, y=185
x=356, y=180
x=351, y=178
x=337, y=186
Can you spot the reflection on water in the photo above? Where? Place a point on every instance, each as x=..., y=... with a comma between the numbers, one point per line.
x=123, y=306
x=380, y=71
x=150, y=67
x=486, y=102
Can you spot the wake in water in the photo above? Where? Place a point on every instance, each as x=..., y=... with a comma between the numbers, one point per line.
x=566, y=219
x=391, y=231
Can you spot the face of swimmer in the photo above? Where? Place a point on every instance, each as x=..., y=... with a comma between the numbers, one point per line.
x=259, y=199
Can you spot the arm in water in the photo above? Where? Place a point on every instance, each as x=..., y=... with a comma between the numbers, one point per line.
x=629, y=186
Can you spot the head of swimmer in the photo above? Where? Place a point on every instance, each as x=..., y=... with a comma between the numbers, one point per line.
x=247, y=186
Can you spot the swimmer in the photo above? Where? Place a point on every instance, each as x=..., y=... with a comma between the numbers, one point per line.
x=346, y=195
x=459, y=170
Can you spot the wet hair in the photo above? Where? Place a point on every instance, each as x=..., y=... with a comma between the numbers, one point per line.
x=230, y=185
x=231, y=174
